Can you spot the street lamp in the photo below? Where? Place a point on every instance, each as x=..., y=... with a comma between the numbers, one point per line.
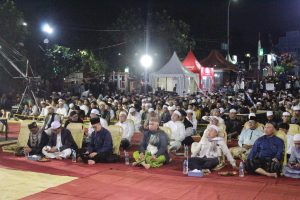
x=228, y=14
x=47, y=29
x=146, y=61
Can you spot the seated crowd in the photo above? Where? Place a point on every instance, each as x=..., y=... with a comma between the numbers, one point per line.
x=267, y=133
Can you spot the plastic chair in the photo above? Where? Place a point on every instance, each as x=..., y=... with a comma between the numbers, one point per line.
x=22, y=138
x=282, y=136
x=167, y=130
x=294, y=129
x=77, y=133
x=116, y=134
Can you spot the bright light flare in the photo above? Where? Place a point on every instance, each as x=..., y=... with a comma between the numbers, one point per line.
x=146, y=61
x=47, y=29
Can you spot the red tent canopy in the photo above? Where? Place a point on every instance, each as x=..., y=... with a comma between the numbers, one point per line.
x=217, y=61
x=191, y=63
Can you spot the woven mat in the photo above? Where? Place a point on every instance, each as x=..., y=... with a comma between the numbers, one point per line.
x=17, y=184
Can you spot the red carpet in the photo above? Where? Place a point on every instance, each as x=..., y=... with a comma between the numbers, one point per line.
x=13, y=131
x=118, y=181
x=114, y=184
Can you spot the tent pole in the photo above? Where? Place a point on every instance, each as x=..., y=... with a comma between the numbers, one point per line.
x=166, y=84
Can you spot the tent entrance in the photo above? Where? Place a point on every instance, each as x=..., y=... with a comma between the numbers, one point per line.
x=167, y=83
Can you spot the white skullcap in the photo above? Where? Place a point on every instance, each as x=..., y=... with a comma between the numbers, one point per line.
x=177, y=113
x=43, y=102
x=221, y=110
x=296, y=108
x=251, y=115
x=296, y=137
x=150, y=110
x=214, y=127
x=55, y=125
x=60, y=100
x=193, y=101
x=172, y=108
x=95, y=111
x=165, y=106
x=123, y=113
x=269, y=113
x=71, y=105
x=250, y=90
x=232, y=111
x=189, y=111
x=258, y=103
x=132, y=110
x=286, y=114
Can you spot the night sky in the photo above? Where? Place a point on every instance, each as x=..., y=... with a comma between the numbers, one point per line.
x=207, y=18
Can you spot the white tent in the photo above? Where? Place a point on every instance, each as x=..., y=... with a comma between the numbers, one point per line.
x=174, y=73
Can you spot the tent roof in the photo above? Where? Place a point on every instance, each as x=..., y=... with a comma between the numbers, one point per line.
x=173, y=66
x=217, y=61
x=191, y=62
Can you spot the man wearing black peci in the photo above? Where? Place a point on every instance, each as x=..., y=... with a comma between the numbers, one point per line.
x=100, y=148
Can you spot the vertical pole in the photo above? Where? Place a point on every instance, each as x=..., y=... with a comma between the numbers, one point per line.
x=228, y=15
x=145, y=81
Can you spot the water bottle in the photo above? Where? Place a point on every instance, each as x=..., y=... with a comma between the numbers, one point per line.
x=185, y=167
x=186, y=151
x=241, y=169
x=126, y=158
x=26, y=154
x=229, y=138
x=74, y=159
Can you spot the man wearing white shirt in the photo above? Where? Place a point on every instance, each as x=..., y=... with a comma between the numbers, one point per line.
x=128, y=130
x=205, y=154
x=246, y=140
x=71, y=108
x=34, y=109
x=61, y=110
x=83, y=107
x=192, y=119
x=135, y=117
x=60, y=143
x=51, y=117
x=178, y=130
x=216, y=113
x=44, y=111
